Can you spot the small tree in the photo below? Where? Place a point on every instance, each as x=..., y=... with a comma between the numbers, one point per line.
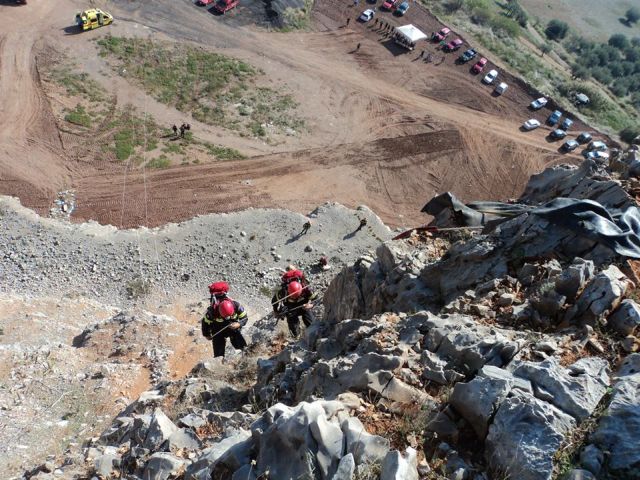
x=545, y=48
x=619, y=40
x=633, y=14
x=556, y=30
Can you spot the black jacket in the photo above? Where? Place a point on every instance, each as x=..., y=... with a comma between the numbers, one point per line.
x=212, y=322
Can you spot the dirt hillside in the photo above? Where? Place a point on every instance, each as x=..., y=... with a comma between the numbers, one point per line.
x=383, y=127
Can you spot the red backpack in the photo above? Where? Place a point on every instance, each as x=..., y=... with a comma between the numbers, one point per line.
x=293, y=276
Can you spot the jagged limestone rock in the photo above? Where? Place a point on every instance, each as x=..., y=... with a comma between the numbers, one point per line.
x=238, y=441
x=626, y=318
x=574, y=278
x=160, y=429
x=575, y=390
x=400, y=466
x=478, y=400
x=161, y=466
x=617, y=431
x=524, y=436
x=600, y=297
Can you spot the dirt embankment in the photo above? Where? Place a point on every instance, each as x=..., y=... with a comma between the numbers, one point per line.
x=385, y=128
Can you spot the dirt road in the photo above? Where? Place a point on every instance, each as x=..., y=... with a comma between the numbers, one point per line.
x=386, y=129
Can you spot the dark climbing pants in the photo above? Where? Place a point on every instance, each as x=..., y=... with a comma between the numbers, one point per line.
x=293, y=320
x=220, y=341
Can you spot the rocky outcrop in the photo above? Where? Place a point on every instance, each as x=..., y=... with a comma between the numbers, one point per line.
x=617, y=432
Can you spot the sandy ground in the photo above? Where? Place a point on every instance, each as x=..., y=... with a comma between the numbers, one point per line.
x=385, y=128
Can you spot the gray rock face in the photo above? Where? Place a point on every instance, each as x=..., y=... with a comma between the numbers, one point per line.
x=161, y=466
x=366, y=448
x=160, y=429
x=524, y=436
x=588, y=180
x=105, y=465
x=202, y=468
x=183, y=439
x=600, y=297
x=346, y=468
x=398, y=466
x=309, y=441
x=617, y=432
x=591, y=458
x=574, y=278
x=576, y=390
x=478, y=400
x=626, y=318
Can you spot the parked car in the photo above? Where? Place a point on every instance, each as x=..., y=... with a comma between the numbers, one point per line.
x=441, y=35
x=554, y=117
x=453, y=45
x=570, y=145
x=558, y=134
x=538, y=103
x=389, y=4
x=467, y=55
x=490, y=77
x=531, y=124
x=501, y=88
x=566, y=124
x=597, y=155
x=402, y=8
x=367, y=15
x=584, y=137
x=597, y=145
x=205, y=2
x=479, y=66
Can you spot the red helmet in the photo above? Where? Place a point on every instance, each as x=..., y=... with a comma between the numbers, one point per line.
x=217, y=288
x=294, y=289
x=226, y=308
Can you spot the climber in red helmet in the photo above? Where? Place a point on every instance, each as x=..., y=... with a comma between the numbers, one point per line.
x=294, y=300
x=223, y=319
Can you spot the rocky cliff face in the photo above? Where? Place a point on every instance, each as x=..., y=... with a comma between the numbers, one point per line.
x=505, y=354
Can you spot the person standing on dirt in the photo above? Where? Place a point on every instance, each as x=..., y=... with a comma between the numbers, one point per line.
x=175, y=130
x=294, y=301
x=357, y=47
x=224, y=320
x=305, y=227
x=348, y=20
x=182, y=128
x=363, y=223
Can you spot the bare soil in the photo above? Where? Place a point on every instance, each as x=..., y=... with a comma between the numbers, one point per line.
x=385, y=128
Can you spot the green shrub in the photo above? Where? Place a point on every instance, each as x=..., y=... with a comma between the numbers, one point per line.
x=78, y=116
x=629, y=134
x=556, y=30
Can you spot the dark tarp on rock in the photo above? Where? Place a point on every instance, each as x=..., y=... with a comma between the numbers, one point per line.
x=618, y=230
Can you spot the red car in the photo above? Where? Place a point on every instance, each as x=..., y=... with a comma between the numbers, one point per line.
x=389, y=4
x=206, y=2
x=441, y=35
x=453, y=45
x=225, y=5
x=479, y=66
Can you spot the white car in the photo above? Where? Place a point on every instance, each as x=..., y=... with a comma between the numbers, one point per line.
x=501, y=88
x=367, y=15
x=596, y=155
x=597, y=145
x=490, y=77
x=531, y=124
x=538, y=103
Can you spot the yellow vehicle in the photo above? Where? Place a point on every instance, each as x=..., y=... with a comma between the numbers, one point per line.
x=93, y=18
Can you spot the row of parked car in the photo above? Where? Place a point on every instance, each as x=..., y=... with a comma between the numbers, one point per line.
x=396, y=6
x=468, y=55
x=595, y=148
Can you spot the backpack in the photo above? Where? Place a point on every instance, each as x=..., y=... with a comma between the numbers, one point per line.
x=293, y=276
